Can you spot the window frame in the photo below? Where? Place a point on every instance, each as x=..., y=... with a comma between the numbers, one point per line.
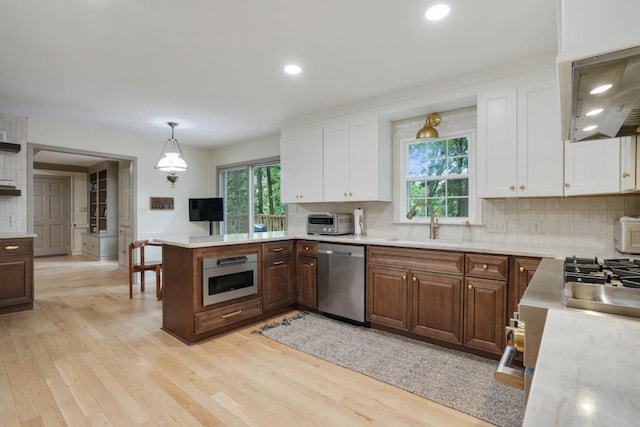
x=402, y=152
x=249, y=166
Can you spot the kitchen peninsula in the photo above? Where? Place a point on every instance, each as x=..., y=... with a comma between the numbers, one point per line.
x=284, y=273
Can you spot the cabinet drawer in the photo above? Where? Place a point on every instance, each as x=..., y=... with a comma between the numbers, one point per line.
x=416, y=259
x=487, y=266
x=227, y=315
x=276, y=248
x=307, y=248
x=9, y=247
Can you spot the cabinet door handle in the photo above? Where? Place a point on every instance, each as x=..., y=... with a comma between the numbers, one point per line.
x=404, y=277
x=512, y=187
x=485, y=266
x=278, y=250
x=233, y=313
x=345, y=194
x=311, y=264
x=625, y=175
x=566, y=184
x=470, y=286
x=522, y=187
x=415, y=279
x=350, y=194
x=278, y=262
x=11, y=247
x=306, y=248
x=521, y=269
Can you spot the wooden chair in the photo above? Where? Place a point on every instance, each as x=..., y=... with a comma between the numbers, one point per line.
x=141, y=266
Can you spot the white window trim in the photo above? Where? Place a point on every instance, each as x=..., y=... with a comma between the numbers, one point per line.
x=400, y=214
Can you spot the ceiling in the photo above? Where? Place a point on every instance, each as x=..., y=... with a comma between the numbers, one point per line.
x=216, y=66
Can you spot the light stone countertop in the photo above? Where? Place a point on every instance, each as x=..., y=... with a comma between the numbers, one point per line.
x=587, y=372
x=521, y=249
x=17, y=235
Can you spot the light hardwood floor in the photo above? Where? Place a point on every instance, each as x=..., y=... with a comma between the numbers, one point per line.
x=88, y=355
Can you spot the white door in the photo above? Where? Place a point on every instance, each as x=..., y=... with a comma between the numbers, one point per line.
x=364, y=161
x=592, y=167
x=497, y=144
x=540, y=149
x=336, y=161
x=51, y=215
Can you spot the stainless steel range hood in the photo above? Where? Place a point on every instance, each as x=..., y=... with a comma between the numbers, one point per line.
x=614, y=112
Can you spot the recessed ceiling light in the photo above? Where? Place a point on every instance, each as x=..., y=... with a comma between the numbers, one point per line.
x=292, y=69
x=590, y=128
x=437, y=12
x=601, y=89
x=594, y=112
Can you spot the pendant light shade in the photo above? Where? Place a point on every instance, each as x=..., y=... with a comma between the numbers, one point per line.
x=171, y=156
x=428, y=130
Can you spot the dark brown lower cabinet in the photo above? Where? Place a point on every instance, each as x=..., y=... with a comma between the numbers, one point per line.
x=436, y=301
x=485, y=314
x=278, y=276
x=388, y=297
x=16, y=275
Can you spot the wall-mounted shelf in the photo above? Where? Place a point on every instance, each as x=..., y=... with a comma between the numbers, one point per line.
x=9, y=192
x=10, y=146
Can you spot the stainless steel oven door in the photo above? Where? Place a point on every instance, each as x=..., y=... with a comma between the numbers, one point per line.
x=224, y=279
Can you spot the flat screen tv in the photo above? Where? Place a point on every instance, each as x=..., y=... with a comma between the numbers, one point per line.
x=206, y=209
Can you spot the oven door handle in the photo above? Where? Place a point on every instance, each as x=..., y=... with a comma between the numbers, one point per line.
x=505, y=373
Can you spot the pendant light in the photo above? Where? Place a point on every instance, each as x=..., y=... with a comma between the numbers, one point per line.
x=428, y=130
x=171, y=156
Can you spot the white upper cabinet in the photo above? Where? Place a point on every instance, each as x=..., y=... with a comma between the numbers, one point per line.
x=593, y=27
x=519, y=150
x=301, y=165
x=357, y=160
x=602, y=166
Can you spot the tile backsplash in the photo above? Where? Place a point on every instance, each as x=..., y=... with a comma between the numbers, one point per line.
x=546, y=223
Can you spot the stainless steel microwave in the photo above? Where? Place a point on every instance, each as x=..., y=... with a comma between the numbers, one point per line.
x=330, y=223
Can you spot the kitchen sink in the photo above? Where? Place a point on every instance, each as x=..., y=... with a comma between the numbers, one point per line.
x=602, y=298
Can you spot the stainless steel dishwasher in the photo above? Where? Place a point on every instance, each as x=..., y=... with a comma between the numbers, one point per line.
x=341, y=275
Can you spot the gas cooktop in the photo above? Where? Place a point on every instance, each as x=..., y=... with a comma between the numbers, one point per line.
x=613, y=272
x=607, y=286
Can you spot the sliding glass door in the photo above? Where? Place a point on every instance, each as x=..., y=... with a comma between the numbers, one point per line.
x=251, y=195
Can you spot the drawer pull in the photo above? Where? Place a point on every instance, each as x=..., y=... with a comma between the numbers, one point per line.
x=306, y=248
x=470, y=286
x=278, y=249
x=11, y=247
x=415, y=279
x=311, y=264
x=485, y=267
x=521, y=269
x=278, y=262
x=404, y=277
x=233, y=313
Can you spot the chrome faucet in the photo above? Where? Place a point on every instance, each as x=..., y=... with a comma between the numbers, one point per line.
x=433, y=225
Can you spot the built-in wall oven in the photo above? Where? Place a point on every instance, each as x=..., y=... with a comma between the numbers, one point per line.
x=224, y=279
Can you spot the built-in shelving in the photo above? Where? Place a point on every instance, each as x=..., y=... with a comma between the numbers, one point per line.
x=10, y=146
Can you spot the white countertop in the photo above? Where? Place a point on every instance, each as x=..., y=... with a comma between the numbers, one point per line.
x=521, y=249
x=587, y=373
x=17, y=235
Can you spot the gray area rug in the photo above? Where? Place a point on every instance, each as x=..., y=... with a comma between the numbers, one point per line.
x=452, y=378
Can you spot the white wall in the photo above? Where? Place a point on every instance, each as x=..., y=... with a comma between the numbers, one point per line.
x=13, y=166
x=150, y=182
x=254, y=149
